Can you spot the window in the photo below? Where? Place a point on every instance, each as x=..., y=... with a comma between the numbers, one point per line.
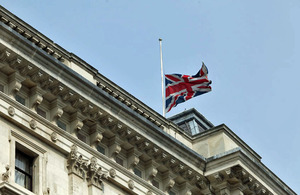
x=100, y=149
x=155, y=184
x=61, y=124
x=41, y=112
x=20, y=99
x=29, y=161
x=81, y=137
x=23, y=170
x=137, y=172
x=119, y=161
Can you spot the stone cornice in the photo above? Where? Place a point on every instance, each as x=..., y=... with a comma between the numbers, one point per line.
x=250, y=167
x=188, y=169
x=31, y=34
x=64, y=141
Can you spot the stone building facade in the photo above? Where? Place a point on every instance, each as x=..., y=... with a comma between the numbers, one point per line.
x=67, y=129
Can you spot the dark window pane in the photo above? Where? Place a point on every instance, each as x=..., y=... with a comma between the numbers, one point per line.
x=119, y=161
x=101, y=149
x=41, y=112
x=137, y=172
x=23, y=170
x=155, y=183
x=20, y=99
x=23, y=162
x=81, y=137
x=61, y=125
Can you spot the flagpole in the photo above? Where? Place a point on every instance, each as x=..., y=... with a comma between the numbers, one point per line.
x=162, y=78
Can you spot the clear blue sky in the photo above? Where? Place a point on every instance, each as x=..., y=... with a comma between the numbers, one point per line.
x=251, y=49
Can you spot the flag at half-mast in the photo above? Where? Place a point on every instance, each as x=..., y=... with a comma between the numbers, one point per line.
x=180, y=88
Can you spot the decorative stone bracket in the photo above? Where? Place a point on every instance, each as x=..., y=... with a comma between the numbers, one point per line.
x=96, y=135
x=15, y=83
x=36, y=97
x=151, y=172
x=76, y=124
x=114, y=150
x=95, y=174
x=4, y=55
x=57, y=110
x=76, y=164
x=5, y=175
x=91, y=171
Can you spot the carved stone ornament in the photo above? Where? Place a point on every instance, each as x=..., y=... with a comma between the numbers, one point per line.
x=76, y=164
x=54, y=136
x=78, y=125
x=95, y=174
x=11, y=111
x=112, y=173
x=37, y=99
x=153, y=172
x=5, y=176
x=59, y=112
x=170, y=184
x=15, y=86
x=98, y=138
x=135, y=161
x=33, y=124
x=131, y=184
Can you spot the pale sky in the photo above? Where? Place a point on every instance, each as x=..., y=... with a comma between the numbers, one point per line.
x=251, y=49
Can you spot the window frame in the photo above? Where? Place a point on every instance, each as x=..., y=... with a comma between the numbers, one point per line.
x=21, y=142
x=20, y=96
x=40, y=109
x=27, y=174
x=105, y=149
x=138, y=169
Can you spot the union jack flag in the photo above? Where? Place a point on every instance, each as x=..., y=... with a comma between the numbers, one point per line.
x=180, y=88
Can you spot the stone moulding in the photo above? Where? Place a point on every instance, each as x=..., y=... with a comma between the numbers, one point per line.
x=112, y=173
x=54, y=136
x=33, y=124
x=11, y=111
x=130, y=184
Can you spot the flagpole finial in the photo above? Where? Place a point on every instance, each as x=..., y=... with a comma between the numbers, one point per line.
x=160, y=39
